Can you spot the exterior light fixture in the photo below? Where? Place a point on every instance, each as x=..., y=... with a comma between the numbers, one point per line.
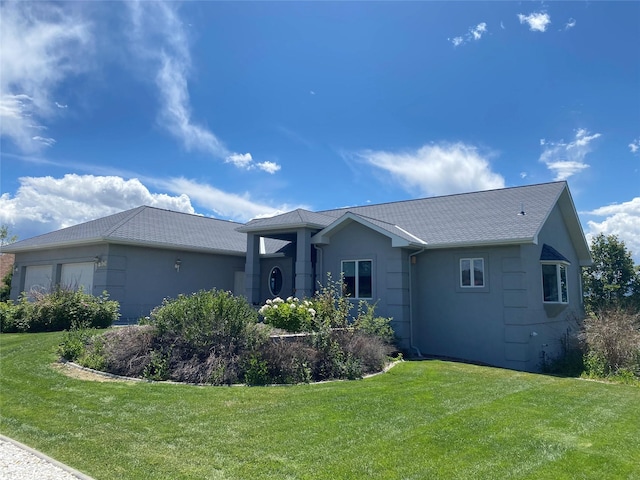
x=177, y=264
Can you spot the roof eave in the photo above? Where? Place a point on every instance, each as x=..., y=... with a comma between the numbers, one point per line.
x=283, y=228
x=48, y=246
x=488, y=243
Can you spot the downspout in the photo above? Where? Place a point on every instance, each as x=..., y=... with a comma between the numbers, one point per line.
x=411, y=345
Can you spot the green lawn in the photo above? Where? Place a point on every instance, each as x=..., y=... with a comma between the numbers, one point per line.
x=421, y=420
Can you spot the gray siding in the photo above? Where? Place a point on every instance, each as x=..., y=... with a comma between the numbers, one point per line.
x=138, y=277
x=286, y=266
x=462, y=323
x=56, y=258
x=141, y=277
x=390, y=271
x=505, y=324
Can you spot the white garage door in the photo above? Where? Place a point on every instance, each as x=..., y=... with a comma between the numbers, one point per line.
x=76, y=275
x=38, y=278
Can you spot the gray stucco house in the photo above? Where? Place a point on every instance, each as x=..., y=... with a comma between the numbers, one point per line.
x=491, y=276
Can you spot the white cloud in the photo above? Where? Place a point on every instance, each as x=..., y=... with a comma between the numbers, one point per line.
x=570, y=24
x=622, y=220
x=478, y=31
x=160, y=38
x=245, y=161
x=537, y=21
x=47, y=141
x=634, y=146
x=567, y=159
x=269, y=167
x=474, y=33
x=42, y=45
x=242, y=160
x=45, y=203
x=224, y=204
x=437, y=169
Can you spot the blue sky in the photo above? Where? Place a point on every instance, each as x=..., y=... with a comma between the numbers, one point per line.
x=243, y=109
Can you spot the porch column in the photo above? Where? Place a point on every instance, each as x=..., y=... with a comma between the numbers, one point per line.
x=252, y=269
x=304, y=268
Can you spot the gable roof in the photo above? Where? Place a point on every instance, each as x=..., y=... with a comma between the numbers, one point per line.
x=494, y=217
x=146, y=226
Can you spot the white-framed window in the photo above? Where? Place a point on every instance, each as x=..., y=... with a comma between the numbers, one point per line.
x=554, y=283
x=358, y=278
x=472, y=273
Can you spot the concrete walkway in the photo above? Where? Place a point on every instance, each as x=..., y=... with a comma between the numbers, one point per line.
x=19, y=462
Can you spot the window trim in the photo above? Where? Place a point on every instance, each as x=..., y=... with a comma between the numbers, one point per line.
x=559, y=266
x=271, y=272
x=357, y=276
x=472, y=261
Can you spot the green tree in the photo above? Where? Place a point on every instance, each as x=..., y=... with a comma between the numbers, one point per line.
x=612, y=282
x=5, y=237
x=5, y=282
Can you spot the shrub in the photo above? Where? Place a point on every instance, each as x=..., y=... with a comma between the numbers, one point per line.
x=368, y=323
x=208, y=318
x=59, y=310
x=332, y=305
x=291, y=315
x=74, y=343
x=612, y=342
x=288, y=361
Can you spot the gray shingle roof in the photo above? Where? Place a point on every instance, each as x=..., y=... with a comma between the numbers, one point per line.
x=550, y=254
x=147, y=226
x=479, y=218
x=487, y=217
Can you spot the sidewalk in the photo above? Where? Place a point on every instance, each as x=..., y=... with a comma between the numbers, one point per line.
x=19, y=462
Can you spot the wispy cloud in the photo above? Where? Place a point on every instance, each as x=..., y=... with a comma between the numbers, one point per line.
x=566, y=159
x=437, y=169
x=221, y=203
x=43, y=44
x=537, y=21
x=634, y=146
x=620, y=219
x=160, y=37
x=474, y=34
x=570, y=24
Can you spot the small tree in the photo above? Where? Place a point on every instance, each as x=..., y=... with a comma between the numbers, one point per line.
x=5, y=282
x=612, y=281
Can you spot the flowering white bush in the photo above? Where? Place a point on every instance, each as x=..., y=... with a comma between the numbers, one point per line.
x=291, y=314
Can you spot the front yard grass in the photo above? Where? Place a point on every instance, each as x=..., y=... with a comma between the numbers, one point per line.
x=421, y=420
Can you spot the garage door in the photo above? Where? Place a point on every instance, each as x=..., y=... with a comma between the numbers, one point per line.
x=76, y=275
x=38, y=278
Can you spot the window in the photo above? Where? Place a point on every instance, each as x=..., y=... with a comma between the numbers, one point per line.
x=275, y=281
x=357, y=278
x=472, y=272
x=554, y=283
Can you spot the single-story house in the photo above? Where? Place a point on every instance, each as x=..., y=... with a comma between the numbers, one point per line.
x=491, y=276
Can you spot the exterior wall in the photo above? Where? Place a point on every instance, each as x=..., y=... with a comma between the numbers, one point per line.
x=551, y=322
x=137, y=277
x=56, y=258
x=465, y=323
x=140, y=278
x=507, y=323
x=390, y=272
x=288, y=277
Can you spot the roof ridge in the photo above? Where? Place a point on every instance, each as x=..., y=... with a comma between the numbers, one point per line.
x=408, y=200
x=133, y=213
